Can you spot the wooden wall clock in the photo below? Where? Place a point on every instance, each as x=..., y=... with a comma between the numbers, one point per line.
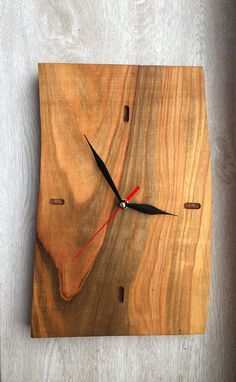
x=105, y=265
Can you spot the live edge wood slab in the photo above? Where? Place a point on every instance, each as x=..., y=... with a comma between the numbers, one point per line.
x=143, y=275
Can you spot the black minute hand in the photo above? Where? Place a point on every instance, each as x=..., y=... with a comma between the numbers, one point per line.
x=147, y=209
x=102, y=167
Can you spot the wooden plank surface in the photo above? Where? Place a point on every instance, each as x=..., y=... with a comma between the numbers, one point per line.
x=177, y=32
x=161, y=262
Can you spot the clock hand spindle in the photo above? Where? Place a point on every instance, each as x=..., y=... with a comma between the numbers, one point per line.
x=102, y=167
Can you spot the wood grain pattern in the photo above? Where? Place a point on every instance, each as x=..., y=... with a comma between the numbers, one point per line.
x=177, y=32
x=162, y=262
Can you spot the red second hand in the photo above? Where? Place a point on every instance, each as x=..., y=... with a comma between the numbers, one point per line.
x=104, y=224
x=132, y=193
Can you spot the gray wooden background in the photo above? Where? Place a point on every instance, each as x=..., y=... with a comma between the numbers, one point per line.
x=164, y=32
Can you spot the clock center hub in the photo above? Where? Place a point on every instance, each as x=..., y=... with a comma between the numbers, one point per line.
x=123, y=204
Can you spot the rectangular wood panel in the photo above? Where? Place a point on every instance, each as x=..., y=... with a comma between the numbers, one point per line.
x=143, y=274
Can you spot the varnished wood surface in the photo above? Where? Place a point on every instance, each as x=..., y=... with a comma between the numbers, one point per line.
x=148, y=32
x=162, y=262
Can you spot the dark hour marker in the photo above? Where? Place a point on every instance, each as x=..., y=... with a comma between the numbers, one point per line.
x=192, y=206
x=57, y=202
x=126, y=114
x=121, y=294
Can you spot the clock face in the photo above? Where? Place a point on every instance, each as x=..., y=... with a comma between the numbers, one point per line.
x=125, y=201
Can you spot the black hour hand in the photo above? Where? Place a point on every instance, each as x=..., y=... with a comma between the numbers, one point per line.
x=147, y=209
x=101, y=165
